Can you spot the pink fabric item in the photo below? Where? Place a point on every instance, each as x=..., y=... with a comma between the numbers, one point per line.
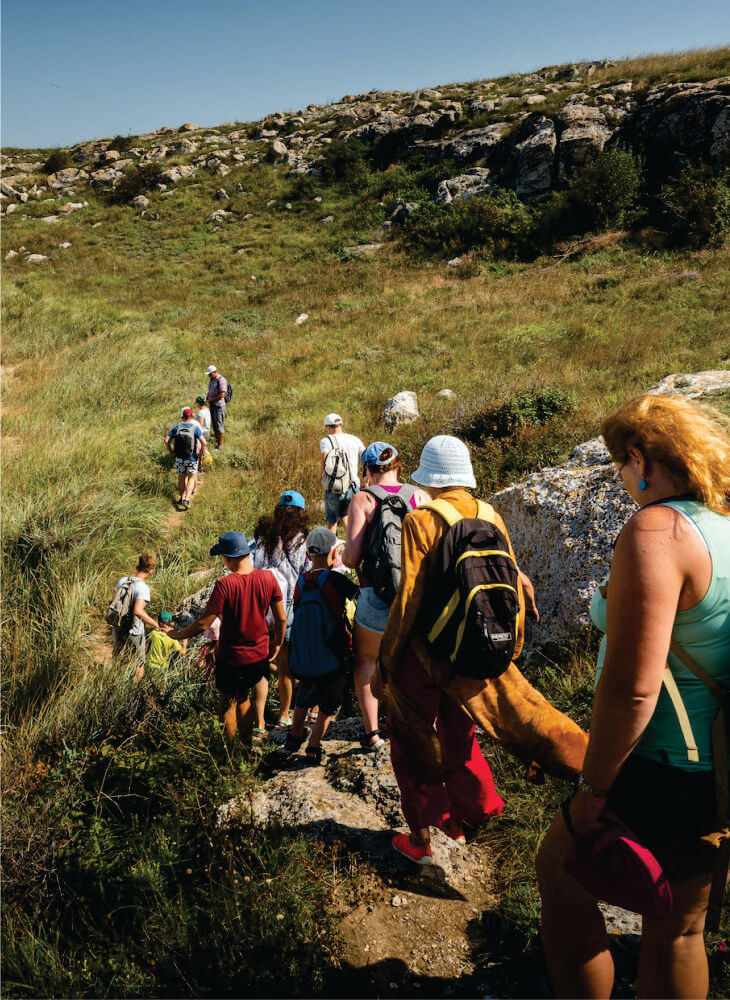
x=615, y=867
x=468, y=793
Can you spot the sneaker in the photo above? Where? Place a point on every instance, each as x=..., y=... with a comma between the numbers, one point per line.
x=292, y=742
x=421, y=855
x=453, y=829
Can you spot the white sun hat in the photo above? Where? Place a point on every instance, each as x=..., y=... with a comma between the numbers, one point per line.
x=210, y=369
x=445, y=462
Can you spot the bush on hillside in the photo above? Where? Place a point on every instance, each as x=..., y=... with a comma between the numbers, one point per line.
x=136, y=181
x=501, y=420
x=59, y=159
x=605, y=192
x=498, y=223
x=123, y=142
x=695, y=207
x=343, y=162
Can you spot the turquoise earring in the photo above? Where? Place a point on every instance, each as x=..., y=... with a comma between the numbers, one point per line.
x=642, y=485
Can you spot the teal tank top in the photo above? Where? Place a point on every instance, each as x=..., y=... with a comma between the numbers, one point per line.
x=704, y=631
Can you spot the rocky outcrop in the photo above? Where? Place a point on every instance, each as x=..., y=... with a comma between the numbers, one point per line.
x=535, y=157
x=474, y=181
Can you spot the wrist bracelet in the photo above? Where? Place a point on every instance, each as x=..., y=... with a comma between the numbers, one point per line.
x=596, y=793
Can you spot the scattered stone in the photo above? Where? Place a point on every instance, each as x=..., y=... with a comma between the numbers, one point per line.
x=140, y=201
x=446, y=393
x=454, y=262
x=403, y=210
x=693, y=386
x=364, y=248
x=10, y=254
x=531, y=99
x=36, y=258
x=12, y=207
x=64, y=246
x=327, y=220
x=221, y=194
x=401, y=409
x=279, y=147
x=220, y=215
x=301, y=319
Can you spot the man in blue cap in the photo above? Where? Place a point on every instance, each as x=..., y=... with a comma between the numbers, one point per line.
x=241, y=600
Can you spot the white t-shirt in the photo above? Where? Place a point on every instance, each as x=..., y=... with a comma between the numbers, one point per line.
x=141, y=592
x=351, y=445
x=204, y=419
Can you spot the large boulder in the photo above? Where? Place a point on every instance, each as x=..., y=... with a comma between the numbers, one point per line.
x=401, y=409
x=583, y=133
x=476, y=141
x=535, y=158
x=474, y=181
x=564, y=521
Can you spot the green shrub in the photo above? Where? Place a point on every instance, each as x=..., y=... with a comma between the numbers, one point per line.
x=695, y=207
x=501, y=420
x=123, y=142
x=343, y=162
x=498, y=223
x=59, y=159
x=605, y=192
x=137, y=180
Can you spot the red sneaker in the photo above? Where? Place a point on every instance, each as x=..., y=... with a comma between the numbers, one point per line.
x=421, y=855
x=453, y=828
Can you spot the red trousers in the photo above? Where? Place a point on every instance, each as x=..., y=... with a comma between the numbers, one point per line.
x=467, y=792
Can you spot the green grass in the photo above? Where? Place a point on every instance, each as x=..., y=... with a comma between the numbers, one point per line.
x=102, y=346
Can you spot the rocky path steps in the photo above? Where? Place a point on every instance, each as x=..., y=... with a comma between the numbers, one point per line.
x=405, y=927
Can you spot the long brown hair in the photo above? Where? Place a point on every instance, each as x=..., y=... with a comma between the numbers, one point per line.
x=284, y=525
x=691, y=440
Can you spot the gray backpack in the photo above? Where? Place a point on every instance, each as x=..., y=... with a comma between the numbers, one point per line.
x=337, y=475
x=183, y=444
x=382, y=562
x=120, y=613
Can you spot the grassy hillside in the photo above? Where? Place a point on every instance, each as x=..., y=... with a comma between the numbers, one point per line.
x=111, y=788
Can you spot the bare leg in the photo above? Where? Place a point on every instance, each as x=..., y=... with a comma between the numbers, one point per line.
x=297, y=726
x=189, y=480
x=284, y=683
x=181, y=484
x=573, y=931
x=220, y=439
x=227, y=715
x=367, y=646
x=260, y=691
x=319, y=729
x=673, y=959
x=244, y=717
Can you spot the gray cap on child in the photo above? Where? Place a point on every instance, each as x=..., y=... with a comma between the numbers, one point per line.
x=320, y=541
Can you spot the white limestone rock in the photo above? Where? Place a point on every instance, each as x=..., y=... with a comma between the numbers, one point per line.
x=401, y=409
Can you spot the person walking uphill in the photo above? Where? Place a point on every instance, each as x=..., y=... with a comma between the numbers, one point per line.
x=186, y=442
x=373, y=548
x=241, y=601
x=218, y=394
x=127, y=613
x=431, y=707
x=339, y=470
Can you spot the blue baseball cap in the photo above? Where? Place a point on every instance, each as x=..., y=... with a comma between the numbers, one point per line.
x=290, y=498
x=371, y=455
x=233, y=544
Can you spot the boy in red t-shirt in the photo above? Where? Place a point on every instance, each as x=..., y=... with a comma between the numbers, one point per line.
x=242, y=661
x=325, y=691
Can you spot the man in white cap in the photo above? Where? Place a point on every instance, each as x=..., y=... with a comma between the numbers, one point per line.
x=432, y=709
x=217, y=389
x=339, y=470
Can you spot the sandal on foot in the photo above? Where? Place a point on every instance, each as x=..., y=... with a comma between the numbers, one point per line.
x=311, y=718
x=372, y=740
x=314, y=755
x=282, y=723
x=293, y=742
x=258, y=733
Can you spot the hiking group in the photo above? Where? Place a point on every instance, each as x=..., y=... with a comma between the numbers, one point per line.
x=435, y=624
x=188, y=440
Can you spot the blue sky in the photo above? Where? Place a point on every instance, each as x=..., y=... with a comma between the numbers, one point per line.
x=80, y=69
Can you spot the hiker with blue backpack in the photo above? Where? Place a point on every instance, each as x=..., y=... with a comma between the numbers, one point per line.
x=186, y=442
x=373, y=547
x=320, y=643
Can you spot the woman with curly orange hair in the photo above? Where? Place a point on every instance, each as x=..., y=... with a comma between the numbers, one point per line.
x=649, y=757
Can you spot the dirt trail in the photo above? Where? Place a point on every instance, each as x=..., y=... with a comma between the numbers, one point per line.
x=405, y=927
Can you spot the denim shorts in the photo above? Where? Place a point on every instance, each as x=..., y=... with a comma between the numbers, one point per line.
x=336, y=505
x=371, y=611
